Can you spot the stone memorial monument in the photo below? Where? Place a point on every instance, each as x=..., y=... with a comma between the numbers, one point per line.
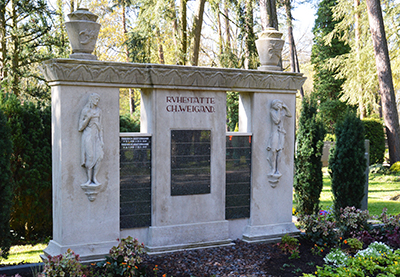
x=182, y=181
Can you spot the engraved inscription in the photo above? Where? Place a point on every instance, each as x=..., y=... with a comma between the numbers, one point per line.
x=190, y=104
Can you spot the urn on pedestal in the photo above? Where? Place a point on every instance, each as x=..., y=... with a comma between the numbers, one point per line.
x=82, y=31
x=269, y=47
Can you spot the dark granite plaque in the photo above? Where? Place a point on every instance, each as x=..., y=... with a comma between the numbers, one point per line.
x=190, y=162
x=135, y=182
x=238, y=176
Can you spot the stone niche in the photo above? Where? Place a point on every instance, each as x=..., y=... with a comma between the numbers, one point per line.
x=182, y=182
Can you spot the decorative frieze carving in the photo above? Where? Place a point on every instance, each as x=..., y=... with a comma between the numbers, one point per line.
x=168, y=76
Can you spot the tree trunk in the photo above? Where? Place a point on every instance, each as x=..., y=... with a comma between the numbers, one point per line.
x=15, y=50
x=130, y=91
x=183, y=19
x=269, y=17
x=294, y=61
x=175, y=31
x=390, y=114
x=3, y=42
x=357, y=42
x=298, y=70
x=160, y=47
x=197, y=24
x=250, y=36
x=227, y=26
x=289, y=23
x=220, y=38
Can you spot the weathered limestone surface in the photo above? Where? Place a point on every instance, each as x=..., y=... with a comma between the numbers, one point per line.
x=169, y=76
x=90, y=228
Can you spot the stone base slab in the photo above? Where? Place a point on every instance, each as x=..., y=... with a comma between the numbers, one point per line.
x=269, y=233
x=91, y=252
x=190, y=246
x=180, y=237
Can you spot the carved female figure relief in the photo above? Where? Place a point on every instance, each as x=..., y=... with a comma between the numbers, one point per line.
x=92, y=144
x=276, y=141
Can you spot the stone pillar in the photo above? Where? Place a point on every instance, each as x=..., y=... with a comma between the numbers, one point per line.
x=271, y=199
x=77, y=215
x=85, y=143
x=273, y=125
x=193, y=219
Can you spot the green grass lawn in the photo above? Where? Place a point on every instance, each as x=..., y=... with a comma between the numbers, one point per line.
x=381, y=189
x=25, y=253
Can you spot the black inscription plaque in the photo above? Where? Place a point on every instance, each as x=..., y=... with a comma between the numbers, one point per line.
x=135, y=182
x=190, y=162
x=238, y=176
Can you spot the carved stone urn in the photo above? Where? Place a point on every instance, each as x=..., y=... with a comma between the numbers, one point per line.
x=82, y=31
x=269, y=47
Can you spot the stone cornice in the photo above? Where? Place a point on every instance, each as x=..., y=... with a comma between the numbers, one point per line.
x=85, y=72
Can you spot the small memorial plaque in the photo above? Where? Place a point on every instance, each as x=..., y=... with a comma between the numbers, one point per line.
x=135, y=142
x=190, y=162
x=135, y=182
x=238, y=176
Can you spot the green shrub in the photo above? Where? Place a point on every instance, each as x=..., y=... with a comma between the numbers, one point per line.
x=379, y=169
x=67, y=265
x=308, y=166
x=290, y=245
x=376, y=136
x=330, y=137
x=30, y=125
x=336, y=257
x=6, y=188
x=367, y=262
x=124, y=259
x=395, y=167
x=354, y=245
x=128, y=123
x=347, y=164
x=351, y=221
x=375, y=249
x=320, y=228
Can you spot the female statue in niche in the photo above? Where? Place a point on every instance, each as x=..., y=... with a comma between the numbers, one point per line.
x=92, y=139
x=276, y=140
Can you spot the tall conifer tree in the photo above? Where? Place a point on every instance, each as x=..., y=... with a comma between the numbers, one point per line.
x=327, y=88
x=347, y=163
x=310, y=141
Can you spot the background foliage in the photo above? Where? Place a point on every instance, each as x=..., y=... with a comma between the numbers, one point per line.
x=376, y=136
x=6, y=186
x=308, y=166
x=347, y=163
x=30, y=124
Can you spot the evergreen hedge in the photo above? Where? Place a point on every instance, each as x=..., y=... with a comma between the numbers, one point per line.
x=376, y=136
x=347, y=163
x=31, y=216
x=6, y=187
x=308, y=166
